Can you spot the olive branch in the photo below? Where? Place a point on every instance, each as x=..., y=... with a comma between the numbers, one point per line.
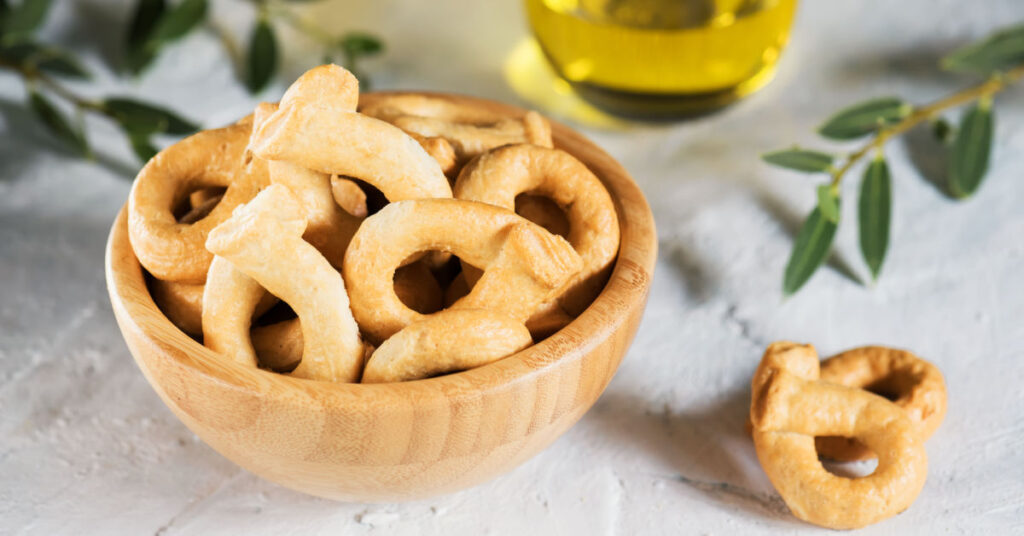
x=155, y=25
x=1000, y=58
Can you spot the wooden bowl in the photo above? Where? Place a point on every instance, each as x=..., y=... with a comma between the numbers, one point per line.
x=402, y=441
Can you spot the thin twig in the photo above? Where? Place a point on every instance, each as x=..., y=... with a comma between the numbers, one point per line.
x=924, y=113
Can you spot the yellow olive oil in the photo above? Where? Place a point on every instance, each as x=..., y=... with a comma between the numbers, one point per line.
x=658, y=57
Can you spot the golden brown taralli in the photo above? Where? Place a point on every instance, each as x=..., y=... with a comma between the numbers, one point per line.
x=175, y=251
x=910, y=382
x=790, y=406
x=499, y=176
x=263, y=241
x=524, y=265
x=449, y=341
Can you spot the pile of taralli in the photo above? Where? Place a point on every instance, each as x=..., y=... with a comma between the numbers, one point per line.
x=862, y=403
x=405, y=240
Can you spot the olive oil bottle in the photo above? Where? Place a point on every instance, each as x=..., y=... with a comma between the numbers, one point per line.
x=658, y=58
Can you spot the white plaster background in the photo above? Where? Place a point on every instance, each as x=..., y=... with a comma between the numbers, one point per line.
x=87, y=447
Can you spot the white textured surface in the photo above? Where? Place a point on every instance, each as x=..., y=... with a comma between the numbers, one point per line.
x=86, y=446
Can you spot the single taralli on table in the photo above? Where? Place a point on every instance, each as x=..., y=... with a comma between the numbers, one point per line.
x=316, y=240
x=794, y=401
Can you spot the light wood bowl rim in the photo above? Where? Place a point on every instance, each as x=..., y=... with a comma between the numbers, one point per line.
x=636, y=259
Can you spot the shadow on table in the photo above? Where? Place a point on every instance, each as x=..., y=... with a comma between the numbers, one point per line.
x=707, y=448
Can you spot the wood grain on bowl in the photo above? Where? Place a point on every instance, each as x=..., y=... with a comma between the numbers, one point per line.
x=408, y=440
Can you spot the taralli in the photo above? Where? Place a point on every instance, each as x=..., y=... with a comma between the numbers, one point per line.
x=270, y=227
x=229, y=302
x=910, y=382
x=544, y=322
x=543, y=212
x=523, y=264
x=349, y=196
x=329, y=227
x=469, y=140
x=442, y=152
x=182, y=303
x=790, y=406
x=275, y=209
x=470, y=132
x=171, y=250
x=500, y=175
x=449, y=341
x=319, y=130
x=278, y=346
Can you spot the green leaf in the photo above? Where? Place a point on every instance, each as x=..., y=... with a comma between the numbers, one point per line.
x=21, y=20
x=874, y=212
x=172, y=24
x=968, y=160
x=141, y=117
x=57, y=123
x=147, y=13
x=358, y=44
x=178, y=21
x=864, y=118
x=262, y=56
x=800, y=160
x=828, y=202
x=45, y=58
x=997, y=52
x=142, y=146
x=812, y=246
x=942, y=130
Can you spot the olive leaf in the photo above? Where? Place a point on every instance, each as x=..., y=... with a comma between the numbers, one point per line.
x=180, y=20
x=262, y=58
x=942, y=130
x=35, y=56
x=55, y=121
x=800, y=160
x=828, y=202
x=357, y=44
x=170, y=25
x=968, y=160
x=147, y=13
x=140, y=117
x=812, y=246
x=864, y=118
x=141, y=146
x=19, y=21
x=999, y=51
x=874, y=211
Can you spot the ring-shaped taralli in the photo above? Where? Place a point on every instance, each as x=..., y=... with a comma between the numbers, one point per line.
x=271, y=227
x=910, y=382
x=449, y=341
x=329, y=227
x=469, y=131
x=790, y=406
x=182, y=303
x=278, y=346
x=175, y=251
x=523, y=264
x=500, y=175
x=318, y=130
